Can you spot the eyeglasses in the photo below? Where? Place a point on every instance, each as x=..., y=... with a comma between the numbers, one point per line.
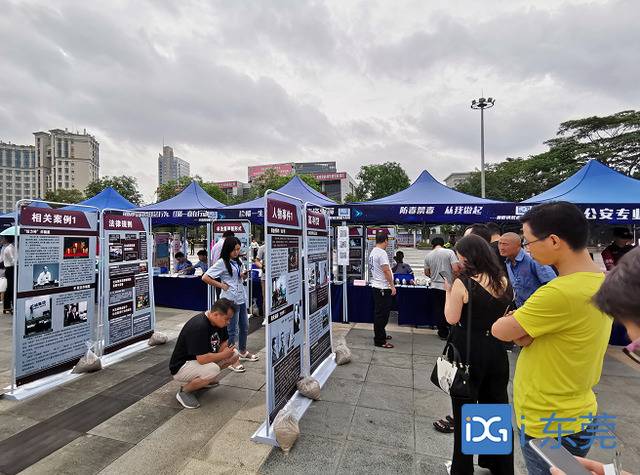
x=526, y=243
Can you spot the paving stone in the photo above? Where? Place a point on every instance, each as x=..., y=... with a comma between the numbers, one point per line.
x=341, y=390
x=198, y=467
x=135, y=422
x=305, y=457
x=428, y=348
x=423, y=362
x=354, y=371
x=365, y=459
x=327, y=419
x=50, y=403
x=428, y=465
x=362, y=356
x=615, y=402
x=612, y=367
x=164, y=396
x=432, y=404
x=232, y=447
x=248, y=380
x=390, y=375
x=422, y=379
x=397, y=360
x=11, y=424
x=390, y=429
x=254, y=410
x=431, y=442
x=87, y=454
x=99, y=381
x=383, y=396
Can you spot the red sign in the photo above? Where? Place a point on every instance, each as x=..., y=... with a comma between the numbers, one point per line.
x=371, y=232
x=219, y=228
x=330, y=176
x=281, y=212
x=282, y=169
x=118, y=222
x=226, y=184
x=53, y=218
x=316, y=220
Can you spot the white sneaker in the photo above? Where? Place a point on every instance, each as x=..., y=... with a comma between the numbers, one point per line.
x=447, y=465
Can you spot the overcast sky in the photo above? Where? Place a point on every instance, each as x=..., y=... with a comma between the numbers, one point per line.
x=236, y=83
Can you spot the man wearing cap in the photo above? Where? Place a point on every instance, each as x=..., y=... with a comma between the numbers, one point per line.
x=622, y=243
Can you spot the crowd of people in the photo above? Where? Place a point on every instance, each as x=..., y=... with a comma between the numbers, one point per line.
x=541, y=290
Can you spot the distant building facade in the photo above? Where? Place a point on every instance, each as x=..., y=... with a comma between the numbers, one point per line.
x=171, y=167
x=455, y=179
x=233, y=188
x=18, y=174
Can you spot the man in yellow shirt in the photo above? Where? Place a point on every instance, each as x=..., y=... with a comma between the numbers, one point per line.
x=564, y=336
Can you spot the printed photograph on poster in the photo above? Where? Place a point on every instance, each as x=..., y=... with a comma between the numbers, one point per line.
x=75, y=248
x=143, y=268
x=321, y=273
x=142, y=292
x=296, y=319
x=130, y=250
x=354, y=267
x=282, y=344
x=355, y=242
x=325, y=320
x=116, y=252
x=355, y=253
x=46, y=276
x=294, y=259
x=114, y=238
x=75, y=313
x=279, y=292
x=313, y=276
x=37, y=315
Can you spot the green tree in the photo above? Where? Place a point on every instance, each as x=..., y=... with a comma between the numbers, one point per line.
x=173, y=187
x=127, y=186
x=71, y=196
x=378, y=181
x=271, y=180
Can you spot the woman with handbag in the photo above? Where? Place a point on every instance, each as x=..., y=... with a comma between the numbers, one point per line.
x=475, y=300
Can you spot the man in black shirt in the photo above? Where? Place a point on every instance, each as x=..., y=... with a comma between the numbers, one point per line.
x=202, y=350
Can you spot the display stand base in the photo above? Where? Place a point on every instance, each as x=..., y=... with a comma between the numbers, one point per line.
x=300, y=404
x=50, y=382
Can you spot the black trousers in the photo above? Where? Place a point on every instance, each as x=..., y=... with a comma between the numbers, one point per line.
x=8, y=294
x=382, y=303
x=490, y=376
x=438, y=298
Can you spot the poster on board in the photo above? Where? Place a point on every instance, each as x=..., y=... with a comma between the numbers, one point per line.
x=371, y=242
x=355, y=269
x=241, y=230
x=128, y=303
x=283, y=285
x=317, y=289
x=161, y=259
x=55, y=308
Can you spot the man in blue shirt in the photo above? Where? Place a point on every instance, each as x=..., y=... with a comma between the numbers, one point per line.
x=202, y=263
x=183, y=265
x=525, y=274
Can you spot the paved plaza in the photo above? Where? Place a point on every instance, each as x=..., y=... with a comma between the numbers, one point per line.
x=375, y=415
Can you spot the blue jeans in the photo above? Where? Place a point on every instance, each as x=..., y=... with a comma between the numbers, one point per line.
x=537, y=466
x=241, y=320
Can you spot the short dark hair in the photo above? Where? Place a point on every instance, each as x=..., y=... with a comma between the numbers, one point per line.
x=618, y=295
x=223, y=305
x=481, y=230
x=561, y=218
x=381, y=237
x=494, y=228
x=227, y=234
x=178, y=255
x=621, y=232
x=437, y=241
x=400, y=254
x=202, y=252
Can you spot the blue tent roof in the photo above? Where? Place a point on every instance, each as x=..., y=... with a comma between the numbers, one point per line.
x=34, y=204
x=428, y=200
x=188, y=207
x=594, y=183
x=109, y=198
x=254, y=209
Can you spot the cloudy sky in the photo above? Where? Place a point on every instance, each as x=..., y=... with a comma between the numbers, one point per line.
x=235, y=83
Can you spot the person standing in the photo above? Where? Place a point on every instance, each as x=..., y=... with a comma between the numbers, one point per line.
x=383, y=289
x=563, y=334
x=254, y=248
x=261, y=263
x=622, y=243
x=440, y=264
x=525, y=274
x=496, y=232
x=216, y=249
x=401, y=267
x=8, y=261
x=482, y=285
x=228, y=269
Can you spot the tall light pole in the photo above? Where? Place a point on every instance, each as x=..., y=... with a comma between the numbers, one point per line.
x=482, y=104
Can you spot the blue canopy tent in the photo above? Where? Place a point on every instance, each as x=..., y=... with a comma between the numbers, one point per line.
x=604, y=194
x=253, y=210
x=8, y=219
x=192, y=206
x=428, y=200
x=109, y=198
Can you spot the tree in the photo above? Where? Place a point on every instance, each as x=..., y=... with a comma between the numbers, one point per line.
x=173, y=187
x=127, y=186
x=271, y=180
x=71, y=196
x=378, y=181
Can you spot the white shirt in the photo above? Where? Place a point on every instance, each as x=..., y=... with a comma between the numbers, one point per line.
x=377, y=259
x=44, y=278
x=235, y=293
x=9, y=255
x=216, y=250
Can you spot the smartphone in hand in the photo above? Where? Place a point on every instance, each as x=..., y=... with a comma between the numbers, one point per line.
x=557, y=456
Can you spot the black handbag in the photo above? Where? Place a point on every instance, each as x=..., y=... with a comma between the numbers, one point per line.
x=450, y=373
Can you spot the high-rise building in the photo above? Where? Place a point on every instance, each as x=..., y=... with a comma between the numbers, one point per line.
x=18, y=174
x=66, y=160
x=171, y=167
x=455, y=179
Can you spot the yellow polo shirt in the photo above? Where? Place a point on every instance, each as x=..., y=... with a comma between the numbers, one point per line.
x=557, y=372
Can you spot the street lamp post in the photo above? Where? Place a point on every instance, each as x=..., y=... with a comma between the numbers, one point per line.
x=482, y=104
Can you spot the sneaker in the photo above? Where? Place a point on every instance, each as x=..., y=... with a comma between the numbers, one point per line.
x=447, y=465
x=188, y=400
